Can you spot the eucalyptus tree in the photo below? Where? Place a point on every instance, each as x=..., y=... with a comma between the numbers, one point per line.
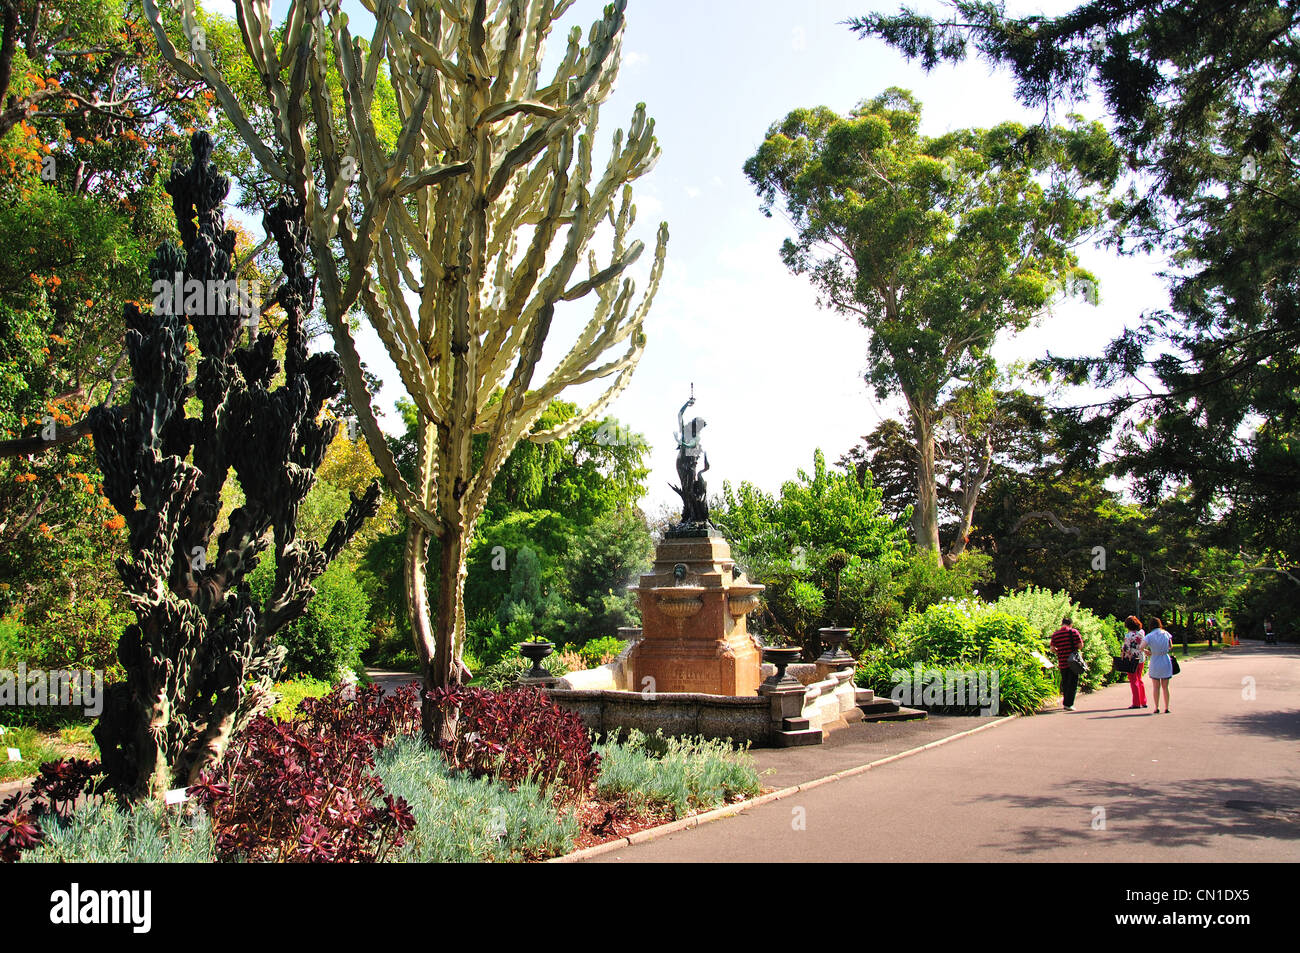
x=935, y=244
x=460, y=240
x=1203, y=96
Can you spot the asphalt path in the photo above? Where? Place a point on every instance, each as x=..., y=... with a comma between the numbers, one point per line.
x=1217, y=779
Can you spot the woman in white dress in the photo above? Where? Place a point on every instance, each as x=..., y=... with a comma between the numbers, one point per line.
x=1157, y=644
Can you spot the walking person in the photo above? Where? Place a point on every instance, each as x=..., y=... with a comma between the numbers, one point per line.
x=1158, y=644
x=1065, y=642
x=1133, y=650
x=1270, y=637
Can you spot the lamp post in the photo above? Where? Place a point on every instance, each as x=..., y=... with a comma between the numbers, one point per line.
x=1137, y=590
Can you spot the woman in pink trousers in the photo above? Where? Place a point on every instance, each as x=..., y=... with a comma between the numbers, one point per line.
x=1133, y=650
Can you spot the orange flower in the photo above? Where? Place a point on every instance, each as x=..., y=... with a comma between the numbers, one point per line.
x=44, y=528
x=117, y=522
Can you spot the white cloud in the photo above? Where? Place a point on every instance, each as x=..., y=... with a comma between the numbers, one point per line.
x=648, y=206
x=692, y=192
x=632, y=59
x=798, y=39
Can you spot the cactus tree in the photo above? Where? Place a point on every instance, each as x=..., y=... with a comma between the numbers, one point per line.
x=200, y=660
x=462, y=240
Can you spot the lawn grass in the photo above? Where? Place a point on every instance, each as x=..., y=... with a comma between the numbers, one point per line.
x=1197, y=648
x=36, y=745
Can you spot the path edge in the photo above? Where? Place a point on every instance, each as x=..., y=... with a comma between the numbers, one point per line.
x=729, y=810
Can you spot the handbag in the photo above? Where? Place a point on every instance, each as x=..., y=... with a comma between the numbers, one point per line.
x=1174, y=661
x=1076, y=664
x=1119, y=663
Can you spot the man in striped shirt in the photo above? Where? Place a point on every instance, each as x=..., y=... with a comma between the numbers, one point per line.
x=1065, y=642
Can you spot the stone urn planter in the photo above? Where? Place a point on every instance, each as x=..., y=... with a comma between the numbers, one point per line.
x=782, y=656
x=535, y=652
x=833, y=639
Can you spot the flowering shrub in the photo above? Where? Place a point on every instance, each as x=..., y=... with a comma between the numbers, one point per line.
x=52, y=797
x=1044, y=610
x=305, y=790
x=966, y=635
x=518, y=735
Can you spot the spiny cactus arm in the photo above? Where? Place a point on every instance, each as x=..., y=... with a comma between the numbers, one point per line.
x=504, y=332
x=628, y=162
x=361, y=509
x=537, y=401
x=505, y=432
x=359, y=395
x=396, y=329
x=207, y=73
x=576, y=367
x=592, y=411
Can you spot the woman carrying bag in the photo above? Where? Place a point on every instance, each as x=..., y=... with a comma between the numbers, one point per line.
x=1158, y=644
x=1132, y=655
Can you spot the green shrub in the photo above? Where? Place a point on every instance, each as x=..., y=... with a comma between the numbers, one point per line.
x=1044, y=611
x=148, y=833
x=966, y=636
x=83, y=635
x=595, y=651
x=460, y=819
x=294, y=691
x=683, y=774
x=326, y=642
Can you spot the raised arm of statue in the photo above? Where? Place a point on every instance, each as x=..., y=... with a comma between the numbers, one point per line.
x=681, y=424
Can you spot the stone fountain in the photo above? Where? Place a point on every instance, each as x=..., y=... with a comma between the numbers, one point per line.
x=693, y=667
x=693, y=608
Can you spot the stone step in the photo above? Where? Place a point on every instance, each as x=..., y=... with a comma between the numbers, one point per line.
x=795, y=739
x=794, y=724
x=863, y=696
x=902, y=714
x=878, y=706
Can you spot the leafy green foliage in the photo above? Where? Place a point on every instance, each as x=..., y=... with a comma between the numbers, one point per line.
x=326, y=642
x=293, y=691
x=967, y=636
x=1044, y=611
x=1202, y=95
x=793, y=543
x=935, y=244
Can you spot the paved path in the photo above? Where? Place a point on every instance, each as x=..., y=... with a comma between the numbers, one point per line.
x=1216, y=780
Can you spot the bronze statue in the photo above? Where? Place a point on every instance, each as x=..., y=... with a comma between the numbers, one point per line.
x=693, y=491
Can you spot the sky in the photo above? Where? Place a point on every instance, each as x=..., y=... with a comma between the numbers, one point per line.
x=775, y=377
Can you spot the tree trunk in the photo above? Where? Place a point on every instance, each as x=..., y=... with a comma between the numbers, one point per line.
x=417, y=603
x=972, y=486
x=925, y=518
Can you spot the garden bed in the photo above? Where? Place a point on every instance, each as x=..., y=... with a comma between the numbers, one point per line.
x=351, y=779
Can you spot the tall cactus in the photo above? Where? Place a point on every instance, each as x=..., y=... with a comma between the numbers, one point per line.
x=200, y=659
x=481, y=213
